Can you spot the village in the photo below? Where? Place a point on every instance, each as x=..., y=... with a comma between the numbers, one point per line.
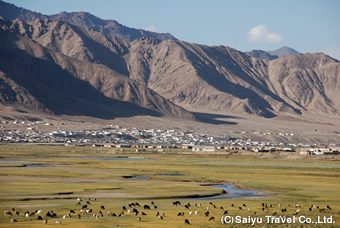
x=141, y=139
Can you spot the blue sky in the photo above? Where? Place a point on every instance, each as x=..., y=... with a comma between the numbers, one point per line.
x=305, y=25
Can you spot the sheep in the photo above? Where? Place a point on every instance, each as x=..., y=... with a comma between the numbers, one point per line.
x=88, y=211
x=186, y=221
x=147, y=207
x=211, y=219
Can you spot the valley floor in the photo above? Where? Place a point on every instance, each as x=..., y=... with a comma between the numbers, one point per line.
x=53, y=178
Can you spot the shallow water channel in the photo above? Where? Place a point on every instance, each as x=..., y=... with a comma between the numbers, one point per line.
x=232, y=193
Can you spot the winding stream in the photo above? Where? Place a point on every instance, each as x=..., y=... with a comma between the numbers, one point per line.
x=231, y=192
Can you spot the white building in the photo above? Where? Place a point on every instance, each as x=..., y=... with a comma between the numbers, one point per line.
x=204, y=148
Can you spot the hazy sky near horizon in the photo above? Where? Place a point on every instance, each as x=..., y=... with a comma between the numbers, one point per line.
x=305, y=25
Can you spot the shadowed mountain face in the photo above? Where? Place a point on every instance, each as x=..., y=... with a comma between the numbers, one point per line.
x=33, y=77
x=149, y=76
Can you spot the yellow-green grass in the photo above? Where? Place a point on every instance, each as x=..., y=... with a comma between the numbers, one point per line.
x=68, y=173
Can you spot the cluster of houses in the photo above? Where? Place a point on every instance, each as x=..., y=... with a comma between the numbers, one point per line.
x=142, y=139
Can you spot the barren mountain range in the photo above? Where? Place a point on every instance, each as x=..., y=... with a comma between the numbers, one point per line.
x=111, y=27
x=64, y=64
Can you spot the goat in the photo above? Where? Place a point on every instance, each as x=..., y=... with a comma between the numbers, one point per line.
x=206, y=213
x=8, y=213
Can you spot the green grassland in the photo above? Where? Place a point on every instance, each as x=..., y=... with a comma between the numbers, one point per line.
x=53, y=177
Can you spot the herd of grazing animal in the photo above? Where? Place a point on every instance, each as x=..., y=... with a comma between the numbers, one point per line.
x=143, y=211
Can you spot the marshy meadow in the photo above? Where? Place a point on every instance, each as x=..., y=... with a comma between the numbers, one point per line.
x=97, y=187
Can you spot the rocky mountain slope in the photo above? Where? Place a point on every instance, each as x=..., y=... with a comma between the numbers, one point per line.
x=83, y=19
x=34, y=77
x=156, y=76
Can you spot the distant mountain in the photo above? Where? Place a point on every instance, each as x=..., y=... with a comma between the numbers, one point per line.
x=111, y=27
x=261, y=55
x=283, y=51
x=270, y=55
